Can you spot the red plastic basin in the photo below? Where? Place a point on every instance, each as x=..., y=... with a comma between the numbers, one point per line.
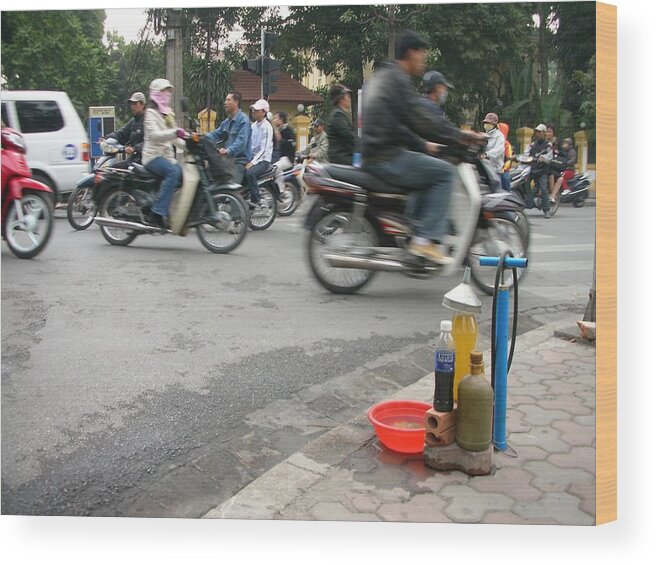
x=399, y=424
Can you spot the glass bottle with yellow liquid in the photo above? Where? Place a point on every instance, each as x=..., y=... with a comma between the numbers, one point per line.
x=464, y=331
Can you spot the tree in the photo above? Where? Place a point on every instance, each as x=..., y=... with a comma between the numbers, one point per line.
x=68, y=56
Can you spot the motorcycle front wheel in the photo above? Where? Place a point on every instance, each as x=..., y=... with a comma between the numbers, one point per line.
x=290, y=199
x=28, y=225
x=498, y=236
x=81, y=209
x=262, y=217
x=328, y=236
x=229, y=229
x=122, y=206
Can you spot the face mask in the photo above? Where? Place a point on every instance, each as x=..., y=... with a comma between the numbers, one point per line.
x=488, y=127
x=443, y=96
x=163, y=100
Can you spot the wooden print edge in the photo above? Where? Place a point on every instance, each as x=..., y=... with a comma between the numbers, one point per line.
x=606, y=264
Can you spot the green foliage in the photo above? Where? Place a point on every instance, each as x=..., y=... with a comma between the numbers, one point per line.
x=196, y=84
x=56, y=50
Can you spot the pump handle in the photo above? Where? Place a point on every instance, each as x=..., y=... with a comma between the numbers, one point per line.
x=509, y=263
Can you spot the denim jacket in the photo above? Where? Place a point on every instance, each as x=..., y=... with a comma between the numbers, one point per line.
x=238, y=144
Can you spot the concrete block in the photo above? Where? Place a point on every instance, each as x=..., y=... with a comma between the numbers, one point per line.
x=441, y=438
x=453, y=457
x=436, y=421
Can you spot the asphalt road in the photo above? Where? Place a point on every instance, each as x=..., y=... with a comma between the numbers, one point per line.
x=131, y=376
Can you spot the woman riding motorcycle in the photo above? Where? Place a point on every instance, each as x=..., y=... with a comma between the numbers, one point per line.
x=160, y=133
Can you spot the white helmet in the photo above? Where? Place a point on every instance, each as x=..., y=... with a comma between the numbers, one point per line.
x=160, y=84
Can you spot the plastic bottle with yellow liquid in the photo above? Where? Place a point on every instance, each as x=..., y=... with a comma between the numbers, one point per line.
x=464, y=331
x=465, y=335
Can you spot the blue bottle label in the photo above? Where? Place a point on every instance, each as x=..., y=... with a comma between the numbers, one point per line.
x=444, y=360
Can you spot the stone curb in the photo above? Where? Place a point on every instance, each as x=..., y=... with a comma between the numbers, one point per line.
x=275, y=489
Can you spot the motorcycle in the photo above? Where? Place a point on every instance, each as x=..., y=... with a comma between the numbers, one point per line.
x=358, y=227
x=575, y=191
x=523, y=186
x=216, y=210
x=292, y=196
x=81, y=208
x=27, y=205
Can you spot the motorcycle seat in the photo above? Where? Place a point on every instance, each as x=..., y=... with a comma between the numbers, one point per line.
x=358, y=177
x=268, y=175
x=141, y=172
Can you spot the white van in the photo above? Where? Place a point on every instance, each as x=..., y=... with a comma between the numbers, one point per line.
x=57, y=143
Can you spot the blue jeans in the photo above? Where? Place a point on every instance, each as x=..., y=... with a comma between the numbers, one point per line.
x=172, y=173
x=505, y=181
x=251, y=176
x=430, y=181
x=542, y=186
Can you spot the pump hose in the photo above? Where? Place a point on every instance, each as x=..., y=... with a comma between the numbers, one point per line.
x=493, y=351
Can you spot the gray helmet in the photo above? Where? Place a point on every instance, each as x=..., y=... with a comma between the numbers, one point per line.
x=433, y=78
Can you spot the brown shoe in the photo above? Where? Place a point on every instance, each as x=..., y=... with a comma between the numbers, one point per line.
x=430, y=251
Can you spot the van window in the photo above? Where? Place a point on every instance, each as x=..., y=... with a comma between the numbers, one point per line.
x=39, y=116
x=5, y=119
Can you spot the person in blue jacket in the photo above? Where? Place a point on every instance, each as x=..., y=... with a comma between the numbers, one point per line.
x=237, y=127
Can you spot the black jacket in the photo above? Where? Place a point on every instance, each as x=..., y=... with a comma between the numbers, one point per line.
x=131, y=134
x=394, y=117
x=286, y=147
x=341, y=137
x=541, y=148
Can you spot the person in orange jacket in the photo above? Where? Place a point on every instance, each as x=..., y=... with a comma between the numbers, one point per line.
x=508, y=155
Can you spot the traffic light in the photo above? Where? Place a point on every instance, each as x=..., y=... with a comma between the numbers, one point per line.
x=253, y=65
x=269, y=65
x=270, y=40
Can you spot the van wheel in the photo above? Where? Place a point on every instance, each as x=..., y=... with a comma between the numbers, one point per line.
x=45, y=179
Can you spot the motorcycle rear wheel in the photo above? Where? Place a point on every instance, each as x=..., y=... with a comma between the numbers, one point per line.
x=118, y=204
x=262, y=218
x=291, y=199
x=500, y=235
x=81, y=209
x=26, y=238
x=230, y=229
x=328, y=235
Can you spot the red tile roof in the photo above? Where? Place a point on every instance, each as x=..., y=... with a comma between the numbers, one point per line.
x=289, y=90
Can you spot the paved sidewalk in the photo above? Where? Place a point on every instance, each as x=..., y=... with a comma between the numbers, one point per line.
x=346, y=474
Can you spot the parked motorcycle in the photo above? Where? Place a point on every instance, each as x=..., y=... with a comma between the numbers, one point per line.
x=81, y=208
x=217, y=211
x=358, y=227
x=27, y=205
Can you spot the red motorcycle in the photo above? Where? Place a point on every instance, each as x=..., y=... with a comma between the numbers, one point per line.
x=27, y=205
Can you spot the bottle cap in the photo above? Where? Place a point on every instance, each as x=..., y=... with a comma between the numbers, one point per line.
x=476, y=358
x=445, y=326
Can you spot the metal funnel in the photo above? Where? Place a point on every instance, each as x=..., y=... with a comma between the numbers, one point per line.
x=463, y=298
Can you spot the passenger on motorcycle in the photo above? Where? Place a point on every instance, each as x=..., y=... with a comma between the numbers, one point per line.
x=131, y=135
x=238, y=130
x=566, y=163
x=160, y=134
x=342, y=140
x=507, y=158
x=284, y=147
x=399, y=138
x=542, y=151
x=496, y=143
x=262, y=149
x=436, y=89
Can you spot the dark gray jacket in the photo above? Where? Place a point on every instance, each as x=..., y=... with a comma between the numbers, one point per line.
x=395, y=118
x=341, y=137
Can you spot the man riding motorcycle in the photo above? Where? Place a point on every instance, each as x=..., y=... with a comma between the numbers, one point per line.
x=542, y=152
x=132, y=134
x=399, y=139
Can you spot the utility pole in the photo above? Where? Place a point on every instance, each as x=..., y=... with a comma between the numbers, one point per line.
x=262, y=59
x=174, y=59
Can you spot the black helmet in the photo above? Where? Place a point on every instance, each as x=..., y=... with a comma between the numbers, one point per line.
x=433, y=78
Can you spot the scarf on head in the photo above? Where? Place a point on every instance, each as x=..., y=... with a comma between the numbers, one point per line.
x=163, y=100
